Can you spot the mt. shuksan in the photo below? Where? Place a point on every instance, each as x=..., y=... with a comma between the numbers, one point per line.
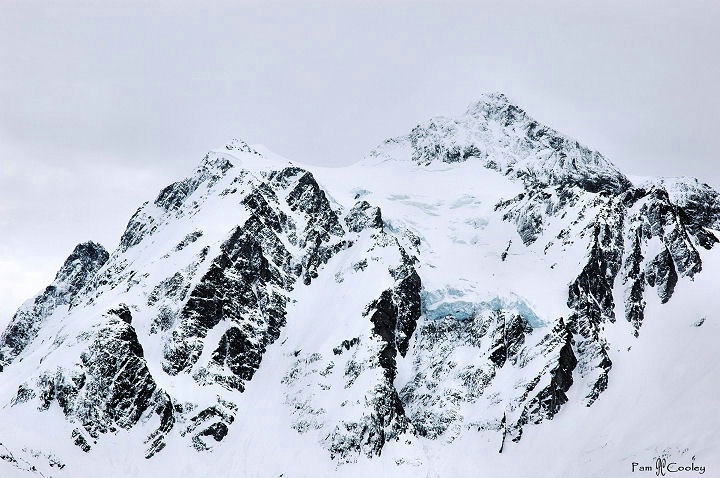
x=481, y=297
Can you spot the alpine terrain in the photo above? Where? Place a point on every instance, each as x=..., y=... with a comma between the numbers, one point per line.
x=483, y=296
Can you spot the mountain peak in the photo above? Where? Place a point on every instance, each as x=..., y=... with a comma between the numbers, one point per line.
x=85, y=255
x=491, y=99
x=495, y=106
x=239, y=145
x=502, y=136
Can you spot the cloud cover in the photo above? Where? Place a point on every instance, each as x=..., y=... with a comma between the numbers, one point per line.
x=103, y=103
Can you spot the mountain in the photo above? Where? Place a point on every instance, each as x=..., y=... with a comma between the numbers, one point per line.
x=481, y=296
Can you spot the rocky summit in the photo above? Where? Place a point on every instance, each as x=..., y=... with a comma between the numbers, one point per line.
x=483, y=296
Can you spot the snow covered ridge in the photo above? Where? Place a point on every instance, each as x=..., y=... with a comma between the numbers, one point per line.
x=481, y=285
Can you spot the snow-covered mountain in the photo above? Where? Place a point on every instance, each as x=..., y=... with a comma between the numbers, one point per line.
x=483, y=296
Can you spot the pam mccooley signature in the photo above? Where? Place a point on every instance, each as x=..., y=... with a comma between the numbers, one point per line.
x=662, y=467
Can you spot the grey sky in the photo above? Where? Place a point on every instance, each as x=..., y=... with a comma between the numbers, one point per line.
x=103, y=103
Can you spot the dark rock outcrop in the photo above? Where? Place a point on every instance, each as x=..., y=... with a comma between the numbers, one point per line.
x=394, y=316
x=247, y=284
x=110, y=388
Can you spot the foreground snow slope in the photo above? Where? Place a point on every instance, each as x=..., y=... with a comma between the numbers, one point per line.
x=483, y=296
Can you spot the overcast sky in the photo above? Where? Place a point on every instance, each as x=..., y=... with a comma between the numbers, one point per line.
x=103, y=103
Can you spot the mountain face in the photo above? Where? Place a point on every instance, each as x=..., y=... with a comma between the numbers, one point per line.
x=452, y=303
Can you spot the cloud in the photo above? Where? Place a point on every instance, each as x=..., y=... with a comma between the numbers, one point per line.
x=103, y=103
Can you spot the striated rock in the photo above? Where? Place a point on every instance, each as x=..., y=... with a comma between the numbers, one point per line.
x=110, y=387
x=257, y=308
x=172, y=201
x=246, y=285
x=660, y=271
x=363, y=216
x=590, y=295
x=634, y=276
x=546, y=402
x=210, y=423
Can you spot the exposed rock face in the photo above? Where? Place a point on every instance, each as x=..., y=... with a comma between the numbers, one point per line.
x=172, y=201
x=634, y=278
x=394, y=316
x=78, y=271
x=358, y=375
x=591, y=296
x=546, y=402
x=363, y=216
x=238, y=297
x=432, y=308
x=446, y=379
x=668, y=221
x=247, y=283
x=109, y=388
